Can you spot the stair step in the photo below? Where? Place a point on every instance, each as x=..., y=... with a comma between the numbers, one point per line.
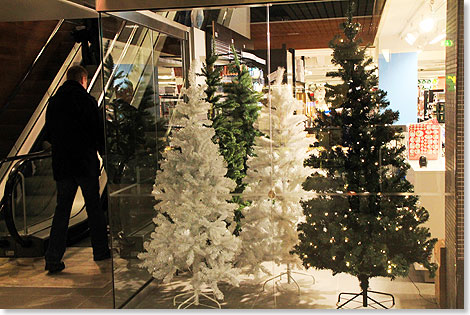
x=43, y=167
x=40, y=185
x=38, y=205
x=42, y=206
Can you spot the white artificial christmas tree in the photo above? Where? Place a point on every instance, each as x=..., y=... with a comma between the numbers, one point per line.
x=191, y=224
x=275, y=176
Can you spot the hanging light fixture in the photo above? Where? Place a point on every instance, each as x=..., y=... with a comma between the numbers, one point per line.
x=427, y=24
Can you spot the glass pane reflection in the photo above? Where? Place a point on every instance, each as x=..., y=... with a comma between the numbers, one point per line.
x=139, y=70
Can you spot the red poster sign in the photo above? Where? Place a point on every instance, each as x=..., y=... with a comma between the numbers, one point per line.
x=424, y=139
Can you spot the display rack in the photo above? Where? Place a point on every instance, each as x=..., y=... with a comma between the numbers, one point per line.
x=431, y=100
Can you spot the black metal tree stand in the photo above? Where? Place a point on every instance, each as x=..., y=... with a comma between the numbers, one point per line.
x=366, y=299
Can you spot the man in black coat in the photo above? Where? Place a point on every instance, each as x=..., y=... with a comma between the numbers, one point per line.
x=75, y=131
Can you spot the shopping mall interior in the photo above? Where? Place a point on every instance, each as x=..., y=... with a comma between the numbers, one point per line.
x=252, y=159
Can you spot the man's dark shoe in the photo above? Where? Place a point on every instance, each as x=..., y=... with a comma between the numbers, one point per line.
x=105, y=255
x=55, y=267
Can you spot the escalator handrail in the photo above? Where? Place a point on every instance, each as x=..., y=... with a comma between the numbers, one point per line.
x=44, y=153
x=31, y=67
x=6, y=204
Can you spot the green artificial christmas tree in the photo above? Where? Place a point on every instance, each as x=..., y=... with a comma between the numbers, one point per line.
x=364, y=221
x=212, y=73
x=233, y=122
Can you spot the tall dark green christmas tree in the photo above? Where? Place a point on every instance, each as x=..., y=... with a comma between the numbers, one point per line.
x=365, y=222
x=233, y=120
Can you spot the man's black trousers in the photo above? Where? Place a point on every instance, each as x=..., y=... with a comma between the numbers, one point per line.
x=66, y=191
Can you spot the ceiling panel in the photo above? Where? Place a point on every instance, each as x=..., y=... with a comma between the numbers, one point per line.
x=311, y=34
x=320, y=9
x=312, y=24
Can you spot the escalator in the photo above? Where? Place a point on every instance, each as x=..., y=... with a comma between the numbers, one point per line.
x=132, y=55
x=22, y=102
x=27, y=188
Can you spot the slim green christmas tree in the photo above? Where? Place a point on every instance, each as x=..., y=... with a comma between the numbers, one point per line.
x=212, y=73
x=233, y=123
x=364, y=222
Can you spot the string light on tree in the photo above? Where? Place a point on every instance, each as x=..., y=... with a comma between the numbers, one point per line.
x=376, y=233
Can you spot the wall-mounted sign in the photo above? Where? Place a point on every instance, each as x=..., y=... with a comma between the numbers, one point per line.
x=424, y=139
x=451, y=80
x=447, y=43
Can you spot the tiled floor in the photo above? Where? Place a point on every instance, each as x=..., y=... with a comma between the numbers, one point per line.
x=88, y=284
x=128, y=279
x=322, y=294
x=83, y=284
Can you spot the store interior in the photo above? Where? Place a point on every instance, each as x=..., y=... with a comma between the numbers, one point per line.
x=306, y=58
x=143, y=75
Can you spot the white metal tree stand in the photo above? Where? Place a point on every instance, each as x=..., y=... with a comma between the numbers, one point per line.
x=289, y=277
x=193, y=299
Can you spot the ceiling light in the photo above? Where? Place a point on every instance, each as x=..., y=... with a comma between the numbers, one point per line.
x=410, y=38
x=427, y=25
x=437, y=39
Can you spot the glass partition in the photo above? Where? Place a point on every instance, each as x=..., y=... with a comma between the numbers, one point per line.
x=142, y=74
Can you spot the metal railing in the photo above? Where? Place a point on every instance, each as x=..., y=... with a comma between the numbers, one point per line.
x=8, y=207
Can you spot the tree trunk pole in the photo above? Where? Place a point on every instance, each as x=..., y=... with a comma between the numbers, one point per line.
x=196, y=263
x=288, y=274
x=364, y=283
